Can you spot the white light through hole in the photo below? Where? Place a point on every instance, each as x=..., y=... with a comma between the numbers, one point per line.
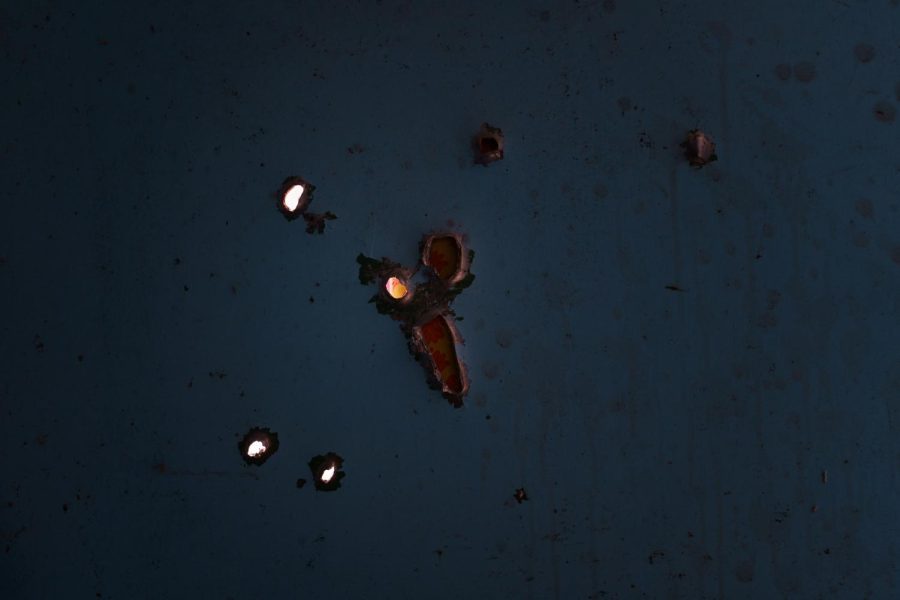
x=327, y=474
x=256, y=448
x=292, y=197
x=396, y=288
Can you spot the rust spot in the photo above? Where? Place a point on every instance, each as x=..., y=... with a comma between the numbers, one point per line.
x=783, y=71
x=865, y=208
x=520, y=495
x=805, y=72
x=884, y=112
x=315, y=222
x=864, y=52
x=895, y=254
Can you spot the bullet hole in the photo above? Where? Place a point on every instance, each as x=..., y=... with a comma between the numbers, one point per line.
x=488, y=145
x=326, y=471
x=783, y=71
x=864, y=53
x=884, y=112
x=446, y=257
x=300, y=483
x=699, y=148
x=437, y=340
x=520, y=495
x=258, y=445
x=396, y=288
x=424, y=314
x=805, y=72
x=294, y=196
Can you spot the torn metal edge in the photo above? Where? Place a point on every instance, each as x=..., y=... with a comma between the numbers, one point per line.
x=699, y=148
x=421, y=351
x=462, y=262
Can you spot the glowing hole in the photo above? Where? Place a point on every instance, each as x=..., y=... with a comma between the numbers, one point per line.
x=396, y=288
x=327, y=474
x=292, y=197
x=256, y=448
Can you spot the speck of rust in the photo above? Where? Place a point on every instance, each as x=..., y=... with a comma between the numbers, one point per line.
x=864, y=53
x=783, y=71
x=884, y=112
x=805, y=72
x=895, y=254
x=520, y=495
x=865, y=208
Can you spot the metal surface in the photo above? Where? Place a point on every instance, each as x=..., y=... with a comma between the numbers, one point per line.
x=673, y=444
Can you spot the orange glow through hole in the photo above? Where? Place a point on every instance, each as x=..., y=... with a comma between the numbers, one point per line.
x=396, y=288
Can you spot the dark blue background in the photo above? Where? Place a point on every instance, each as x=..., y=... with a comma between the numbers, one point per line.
x=672, y=443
